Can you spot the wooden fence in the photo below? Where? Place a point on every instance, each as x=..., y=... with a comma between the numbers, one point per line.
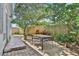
x=57, y=29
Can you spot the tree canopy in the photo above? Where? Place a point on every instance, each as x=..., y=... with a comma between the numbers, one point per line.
x=64, y=12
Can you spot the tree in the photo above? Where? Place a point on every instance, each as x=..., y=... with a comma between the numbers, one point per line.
x=31, y=12
x=66, y=13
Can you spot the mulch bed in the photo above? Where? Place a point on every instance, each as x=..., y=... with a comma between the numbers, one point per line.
x=73, y=48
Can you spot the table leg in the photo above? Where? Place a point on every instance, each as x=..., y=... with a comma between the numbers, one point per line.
x=42, y=43
x=32, y=39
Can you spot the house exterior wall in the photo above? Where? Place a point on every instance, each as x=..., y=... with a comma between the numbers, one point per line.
x=5, y=13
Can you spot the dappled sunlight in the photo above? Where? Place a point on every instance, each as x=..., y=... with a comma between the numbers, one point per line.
x=44, y=29
x=57, y=21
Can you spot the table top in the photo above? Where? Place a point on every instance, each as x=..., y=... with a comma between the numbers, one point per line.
x=42, y=36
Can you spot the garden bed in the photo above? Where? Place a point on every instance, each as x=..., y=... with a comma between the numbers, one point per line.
x=73, y=48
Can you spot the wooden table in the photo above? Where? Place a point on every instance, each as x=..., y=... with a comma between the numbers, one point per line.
x=42, y=38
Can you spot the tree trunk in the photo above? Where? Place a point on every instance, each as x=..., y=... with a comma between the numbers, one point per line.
x=25, y=32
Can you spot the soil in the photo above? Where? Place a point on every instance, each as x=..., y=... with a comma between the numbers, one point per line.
x=74, y=48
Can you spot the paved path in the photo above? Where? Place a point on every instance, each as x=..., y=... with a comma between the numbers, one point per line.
x=15, y=43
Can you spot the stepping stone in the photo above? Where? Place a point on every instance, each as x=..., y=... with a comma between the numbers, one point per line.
x=15, y=44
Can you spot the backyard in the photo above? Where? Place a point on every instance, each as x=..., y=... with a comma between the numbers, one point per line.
x=52, y=28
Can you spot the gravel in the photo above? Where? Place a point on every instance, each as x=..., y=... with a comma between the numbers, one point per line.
x=16, y=42
x=24, y=52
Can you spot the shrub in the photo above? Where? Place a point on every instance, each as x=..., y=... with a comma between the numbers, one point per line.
x=65, y=38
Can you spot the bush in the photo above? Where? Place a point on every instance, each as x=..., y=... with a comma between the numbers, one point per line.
x=65, y=38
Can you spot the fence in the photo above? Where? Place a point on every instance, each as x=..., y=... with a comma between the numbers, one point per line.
x=57, y=29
